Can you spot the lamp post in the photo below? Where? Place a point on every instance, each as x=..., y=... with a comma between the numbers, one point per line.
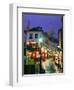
x=40, y=41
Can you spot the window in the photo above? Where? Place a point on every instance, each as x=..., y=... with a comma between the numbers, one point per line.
x=36, y=35
x=30, y=36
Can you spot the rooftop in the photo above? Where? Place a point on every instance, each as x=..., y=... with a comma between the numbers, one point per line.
x=36, y=29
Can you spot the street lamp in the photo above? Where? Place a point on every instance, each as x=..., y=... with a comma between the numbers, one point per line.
x=40, y=41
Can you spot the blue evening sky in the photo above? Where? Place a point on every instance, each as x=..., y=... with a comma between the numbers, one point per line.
x=47, y=22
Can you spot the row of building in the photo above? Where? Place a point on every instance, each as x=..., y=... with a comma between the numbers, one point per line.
x=35, y=34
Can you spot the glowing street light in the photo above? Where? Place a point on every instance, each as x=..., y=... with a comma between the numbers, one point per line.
x=40, y=40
